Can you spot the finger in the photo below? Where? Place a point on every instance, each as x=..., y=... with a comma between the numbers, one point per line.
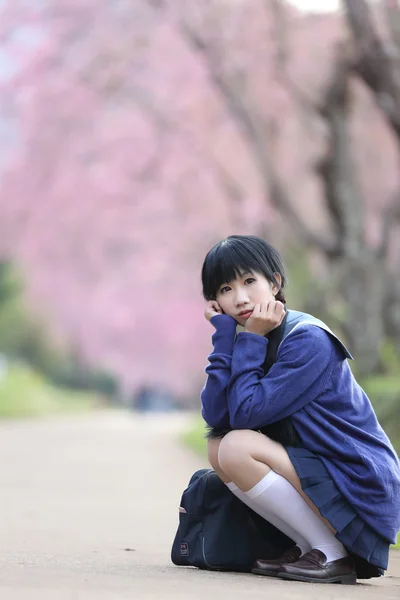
x=215, y=306
x=271, y=308
x=281, y=315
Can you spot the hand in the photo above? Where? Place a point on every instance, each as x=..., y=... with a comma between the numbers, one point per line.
x=265, y=317
x=212, y=309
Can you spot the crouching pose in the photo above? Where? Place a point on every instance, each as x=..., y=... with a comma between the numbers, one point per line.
x=297, y=440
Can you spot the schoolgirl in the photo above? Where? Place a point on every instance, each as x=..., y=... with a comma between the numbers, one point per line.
x=300, y=445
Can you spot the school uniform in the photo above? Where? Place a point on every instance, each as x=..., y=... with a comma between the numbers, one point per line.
x=343, y=458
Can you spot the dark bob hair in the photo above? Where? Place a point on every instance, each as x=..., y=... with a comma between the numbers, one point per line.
x=239, y=254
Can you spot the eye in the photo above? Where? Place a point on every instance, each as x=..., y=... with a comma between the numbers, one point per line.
x=224, y=289
x=249, y=280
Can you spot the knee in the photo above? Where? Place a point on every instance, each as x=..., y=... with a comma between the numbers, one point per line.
x=235, y=449
x=241, y=446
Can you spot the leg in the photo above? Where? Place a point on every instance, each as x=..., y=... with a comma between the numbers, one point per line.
x=213, y=446
x=262, y=470
x=212, y=453
x=247, y=456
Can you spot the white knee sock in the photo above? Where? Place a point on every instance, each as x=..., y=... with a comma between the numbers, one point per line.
x=271, y=518
x=275, y=494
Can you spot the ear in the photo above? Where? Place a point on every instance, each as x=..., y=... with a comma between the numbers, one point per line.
x=276, y=288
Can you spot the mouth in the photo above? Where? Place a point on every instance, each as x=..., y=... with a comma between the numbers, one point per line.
x=245, y=314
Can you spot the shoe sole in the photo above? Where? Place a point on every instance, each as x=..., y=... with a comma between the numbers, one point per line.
x=345, y=579
x=265, y=573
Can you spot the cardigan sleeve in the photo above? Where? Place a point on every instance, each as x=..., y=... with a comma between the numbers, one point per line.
x=300, y=372
x=213, y=396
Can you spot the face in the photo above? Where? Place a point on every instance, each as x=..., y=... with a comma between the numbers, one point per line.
x=238, y=298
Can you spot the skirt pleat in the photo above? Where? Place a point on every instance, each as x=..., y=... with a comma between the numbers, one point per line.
x=370, y=551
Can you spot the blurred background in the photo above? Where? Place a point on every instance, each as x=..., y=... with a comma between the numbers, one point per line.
x=135, y=134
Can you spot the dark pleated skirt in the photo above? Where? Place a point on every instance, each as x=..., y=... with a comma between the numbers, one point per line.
x=370, y=551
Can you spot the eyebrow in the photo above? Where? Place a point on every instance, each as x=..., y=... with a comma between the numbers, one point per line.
x=240, y=275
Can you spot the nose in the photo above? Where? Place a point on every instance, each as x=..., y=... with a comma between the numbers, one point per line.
x=241, y=297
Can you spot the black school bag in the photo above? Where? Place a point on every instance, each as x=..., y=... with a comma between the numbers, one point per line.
x=216, y=530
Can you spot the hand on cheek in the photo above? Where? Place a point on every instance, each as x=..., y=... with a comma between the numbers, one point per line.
x=265, y=317
x=212, y=309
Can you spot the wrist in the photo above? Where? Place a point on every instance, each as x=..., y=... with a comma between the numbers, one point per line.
x=224, y=335
x=250, y=350
x=225, y=321
x=259, y=333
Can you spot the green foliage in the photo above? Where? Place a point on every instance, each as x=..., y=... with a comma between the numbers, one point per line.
x=9, y=283
x=305, y=291
x=194, y=437
x=24, y=393
x=313, y=294
x=384, y=393
x=23, y=336
x=390, y=358
x=67, y=371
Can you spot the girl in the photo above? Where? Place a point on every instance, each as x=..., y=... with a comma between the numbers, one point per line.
x=301, y=444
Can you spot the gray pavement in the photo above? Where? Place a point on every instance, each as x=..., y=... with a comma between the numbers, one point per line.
x=88, y=509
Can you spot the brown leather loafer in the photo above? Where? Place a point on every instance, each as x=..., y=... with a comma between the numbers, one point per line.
x=314, y=568
x=271, y=568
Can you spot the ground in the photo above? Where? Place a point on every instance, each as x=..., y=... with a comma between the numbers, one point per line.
x=88, y=511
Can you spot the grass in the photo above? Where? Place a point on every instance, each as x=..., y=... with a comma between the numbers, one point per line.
x=194, y=436
x=24, y=393
x=194, y=439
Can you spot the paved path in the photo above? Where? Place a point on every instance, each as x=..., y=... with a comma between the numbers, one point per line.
x=76, y=493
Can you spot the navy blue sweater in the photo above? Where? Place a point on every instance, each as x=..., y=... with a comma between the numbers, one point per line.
x=312, y=382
